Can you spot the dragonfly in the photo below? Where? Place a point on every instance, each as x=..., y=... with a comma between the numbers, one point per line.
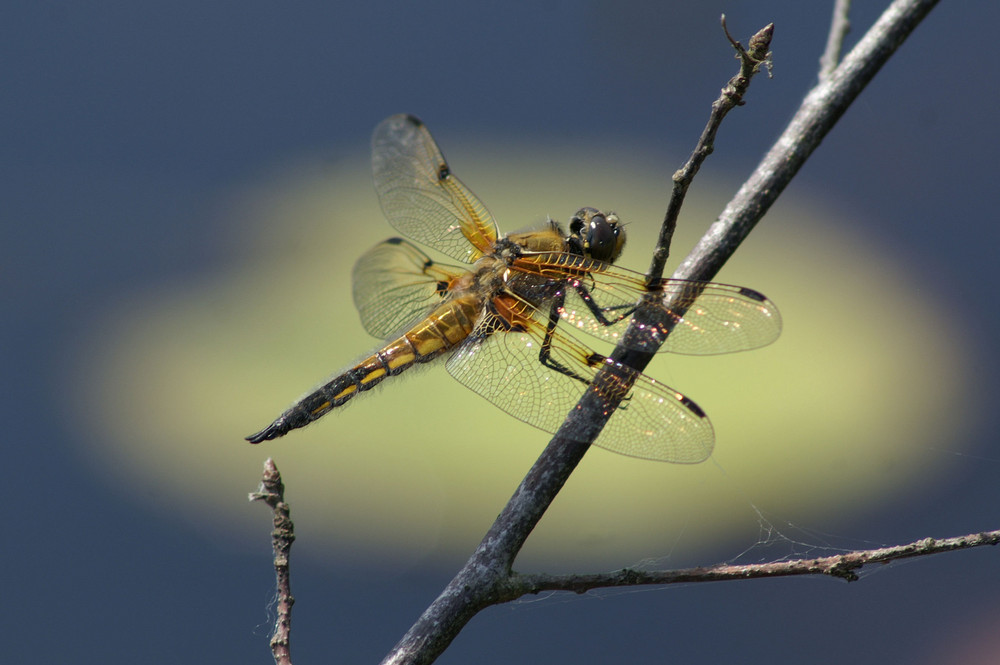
x=506, y=320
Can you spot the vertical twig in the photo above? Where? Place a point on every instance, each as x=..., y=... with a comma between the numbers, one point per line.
x=272, y=492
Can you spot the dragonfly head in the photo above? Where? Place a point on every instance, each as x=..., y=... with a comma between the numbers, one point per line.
x=597, y=234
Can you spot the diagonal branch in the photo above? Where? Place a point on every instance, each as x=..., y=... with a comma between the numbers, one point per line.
x=482, y=580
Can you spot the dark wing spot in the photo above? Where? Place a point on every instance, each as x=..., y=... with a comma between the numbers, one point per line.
x=753, y=295
x=443, y=172
x=693, y=408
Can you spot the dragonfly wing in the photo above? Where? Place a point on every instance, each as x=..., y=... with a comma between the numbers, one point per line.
x=653, y=422
x=421, y=197
x=395, y=284
x=695, y=318
x=720, y=319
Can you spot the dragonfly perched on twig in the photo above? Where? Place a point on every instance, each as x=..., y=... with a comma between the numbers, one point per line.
x=502, y=320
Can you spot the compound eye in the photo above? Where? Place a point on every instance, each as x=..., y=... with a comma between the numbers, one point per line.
x=602, y=239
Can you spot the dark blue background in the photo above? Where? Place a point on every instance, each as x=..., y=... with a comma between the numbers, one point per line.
x=122, y=121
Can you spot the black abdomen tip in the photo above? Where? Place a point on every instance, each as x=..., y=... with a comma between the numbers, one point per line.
x=272, y=431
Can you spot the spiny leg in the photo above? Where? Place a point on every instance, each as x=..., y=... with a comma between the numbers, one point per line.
x=600, y=312
x=545, y=353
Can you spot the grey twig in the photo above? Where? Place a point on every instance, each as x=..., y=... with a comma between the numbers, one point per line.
x=751, y=59
x=272, y=492
x=839, y=27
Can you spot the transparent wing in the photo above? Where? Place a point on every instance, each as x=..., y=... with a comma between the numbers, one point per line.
x=396, y=284
x=702, y=318
x=654, y=422
x=421, y=197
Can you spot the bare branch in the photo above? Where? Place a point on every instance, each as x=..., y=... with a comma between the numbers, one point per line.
x=272, y=492
x=839, y=27
x=484, y=577
x=843, y=566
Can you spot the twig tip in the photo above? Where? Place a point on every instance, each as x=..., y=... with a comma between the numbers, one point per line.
x=761, y=41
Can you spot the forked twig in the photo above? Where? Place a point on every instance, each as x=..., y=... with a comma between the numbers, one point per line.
x=844, y=566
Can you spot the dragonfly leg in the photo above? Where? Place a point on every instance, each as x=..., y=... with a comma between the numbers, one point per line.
x=545, y=353
x=618, y=312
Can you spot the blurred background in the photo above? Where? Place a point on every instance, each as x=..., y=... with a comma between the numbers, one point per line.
x=185, y=188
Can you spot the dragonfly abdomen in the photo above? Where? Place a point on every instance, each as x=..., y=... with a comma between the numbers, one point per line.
x=439, y=333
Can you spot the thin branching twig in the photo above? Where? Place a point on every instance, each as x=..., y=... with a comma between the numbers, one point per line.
x=817, y=115
x=751, y=59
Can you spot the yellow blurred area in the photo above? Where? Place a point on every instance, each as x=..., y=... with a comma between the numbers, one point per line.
x=843, y=409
